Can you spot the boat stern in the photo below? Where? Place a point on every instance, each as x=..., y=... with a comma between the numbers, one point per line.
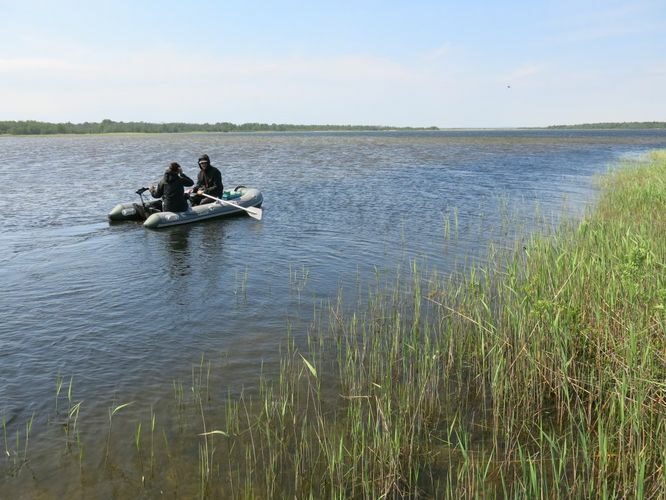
x=124, y=211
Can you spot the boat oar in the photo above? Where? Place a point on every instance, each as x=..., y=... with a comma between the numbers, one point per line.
x=253, y=212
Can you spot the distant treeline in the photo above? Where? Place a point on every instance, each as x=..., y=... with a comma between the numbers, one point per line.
x=612, y=125
x=30, y=127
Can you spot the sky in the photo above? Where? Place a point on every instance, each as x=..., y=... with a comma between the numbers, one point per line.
x=420, y=63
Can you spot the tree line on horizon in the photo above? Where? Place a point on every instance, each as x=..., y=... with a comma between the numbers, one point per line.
x=613, y=125
x=33, y=127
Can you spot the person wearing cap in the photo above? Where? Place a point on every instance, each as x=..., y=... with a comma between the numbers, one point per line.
x=209, y=181
x=171, y=189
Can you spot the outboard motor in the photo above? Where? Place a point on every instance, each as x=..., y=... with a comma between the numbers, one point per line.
x=135, y=211
x=146, y=210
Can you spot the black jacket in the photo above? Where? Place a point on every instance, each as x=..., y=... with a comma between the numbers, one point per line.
x=171, y=189
x=210, y=180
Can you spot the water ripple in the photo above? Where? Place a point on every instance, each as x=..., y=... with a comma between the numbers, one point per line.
x=121, y=308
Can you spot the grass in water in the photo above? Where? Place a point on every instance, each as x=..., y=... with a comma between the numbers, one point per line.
x=540, y=374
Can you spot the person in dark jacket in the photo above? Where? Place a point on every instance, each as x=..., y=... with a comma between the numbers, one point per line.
x=209, y=181
x=171, y=189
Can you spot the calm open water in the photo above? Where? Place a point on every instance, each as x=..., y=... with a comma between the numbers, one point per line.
x=125, y=311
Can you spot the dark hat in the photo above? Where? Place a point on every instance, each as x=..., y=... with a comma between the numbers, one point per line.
x=204, y=158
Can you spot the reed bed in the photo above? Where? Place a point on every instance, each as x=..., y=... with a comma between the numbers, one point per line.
x=541, y=374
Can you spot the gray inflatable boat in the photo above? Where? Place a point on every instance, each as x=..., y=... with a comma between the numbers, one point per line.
x=240, y=200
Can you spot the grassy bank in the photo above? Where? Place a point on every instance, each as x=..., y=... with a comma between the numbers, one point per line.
x=542, y=374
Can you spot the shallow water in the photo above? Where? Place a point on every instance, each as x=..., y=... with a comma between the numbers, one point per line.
x=124, y=310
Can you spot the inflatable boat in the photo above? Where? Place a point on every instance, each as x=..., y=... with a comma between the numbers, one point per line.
x=240, y=200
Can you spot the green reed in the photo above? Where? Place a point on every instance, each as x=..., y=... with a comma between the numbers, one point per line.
x=112, y=411
x=16, y=456
x=538, y=375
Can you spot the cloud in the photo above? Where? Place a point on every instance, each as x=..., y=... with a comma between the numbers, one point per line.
x=657, y=70
x=439, y=53
x=159, y=66
x=615, y=21
x=164, y=85
x=349, y=68
x=525, y=72
x=35, y=64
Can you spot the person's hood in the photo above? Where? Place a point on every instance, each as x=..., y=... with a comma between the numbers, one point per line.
x=170, y=177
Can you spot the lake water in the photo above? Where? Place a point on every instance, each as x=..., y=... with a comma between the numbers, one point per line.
x=124, y=310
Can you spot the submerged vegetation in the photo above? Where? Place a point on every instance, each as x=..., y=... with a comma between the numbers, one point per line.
x=538, y=375
x=31, y=127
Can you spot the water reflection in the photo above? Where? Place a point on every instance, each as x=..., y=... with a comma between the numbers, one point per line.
x=179, y=255
x=196, y=246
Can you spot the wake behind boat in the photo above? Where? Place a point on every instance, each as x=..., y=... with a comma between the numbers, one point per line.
x=241, y=199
